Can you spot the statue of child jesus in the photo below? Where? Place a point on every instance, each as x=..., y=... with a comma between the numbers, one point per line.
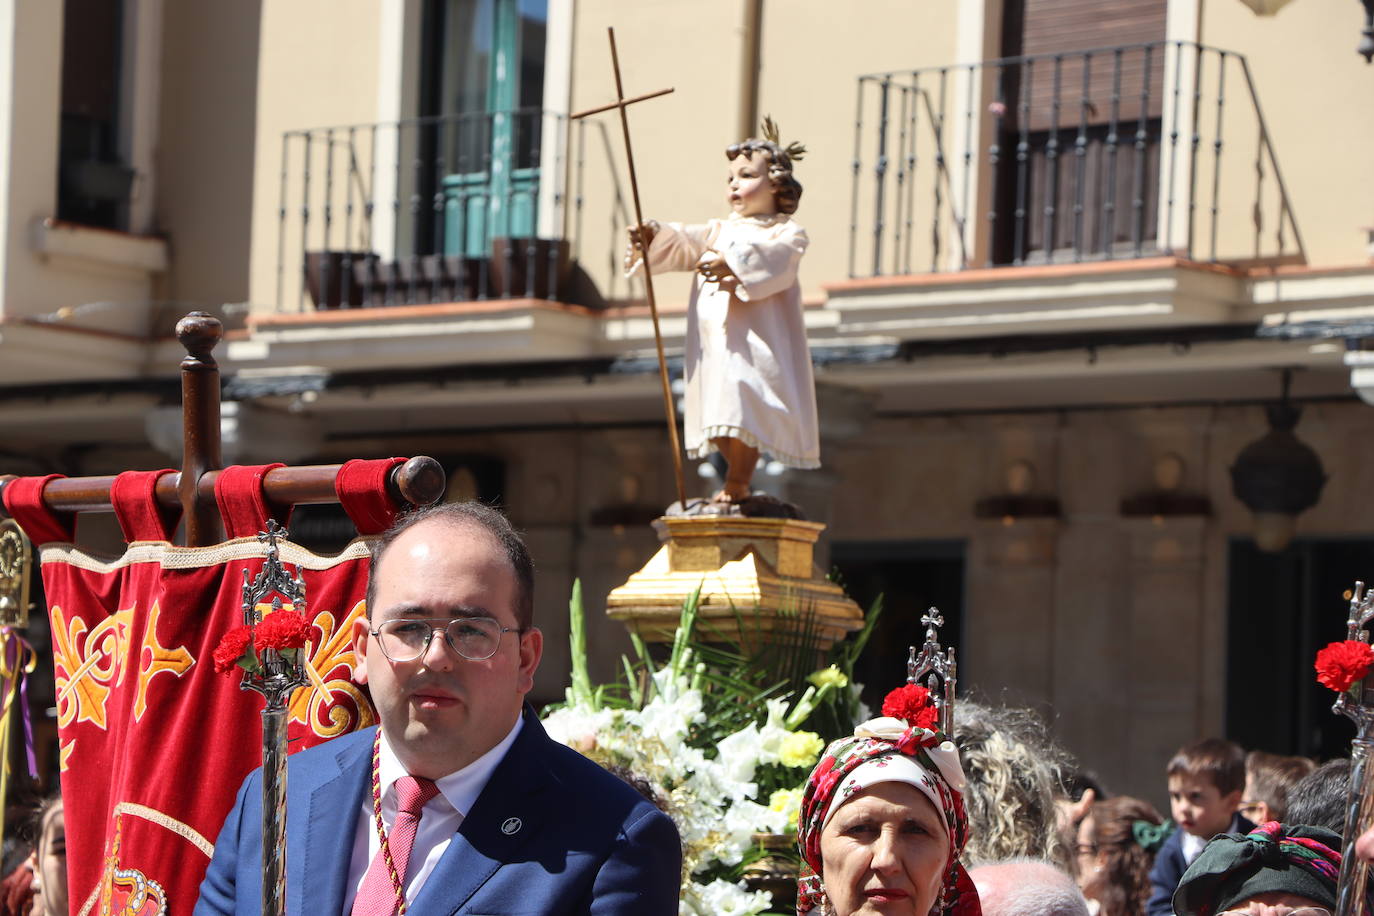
x=747, y=365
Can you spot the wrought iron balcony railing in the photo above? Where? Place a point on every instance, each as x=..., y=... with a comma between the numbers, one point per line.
x=1122, y=152
x=437, y=209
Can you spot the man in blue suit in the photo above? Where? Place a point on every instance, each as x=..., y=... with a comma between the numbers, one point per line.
x=459, y=803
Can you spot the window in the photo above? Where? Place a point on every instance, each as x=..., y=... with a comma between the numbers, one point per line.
x=482, y=72
x=93, y=179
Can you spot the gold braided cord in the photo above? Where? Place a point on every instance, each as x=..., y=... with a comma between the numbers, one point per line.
x=169, y=556
x=183, y=830
x=381, y=828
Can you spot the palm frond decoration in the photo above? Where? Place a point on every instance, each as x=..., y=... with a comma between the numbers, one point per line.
x=795, y=151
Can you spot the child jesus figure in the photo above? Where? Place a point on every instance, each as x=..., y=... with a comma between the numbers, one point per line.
x=747, y=365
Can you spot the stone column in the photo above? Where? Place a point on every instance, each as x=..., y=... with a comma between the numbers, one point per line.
x=1007, y=648
x=1162, y=631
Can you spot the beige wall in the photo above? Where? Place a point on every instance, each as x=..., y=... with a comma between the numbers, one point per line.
x=1317, y=95
x=813, y=54
x=205, y=159
x=318, y=66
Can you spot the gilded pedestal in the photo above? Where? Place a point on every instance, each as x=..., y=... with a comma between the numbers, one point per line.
x=741, y=564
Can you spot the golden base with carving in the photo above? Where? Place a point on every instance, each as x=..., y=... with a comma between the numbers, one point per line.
x=741, y=564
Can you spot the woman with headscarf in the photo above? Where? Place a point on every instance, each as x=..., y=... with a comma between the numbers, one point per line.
x=1274, y=870
x=882, y=820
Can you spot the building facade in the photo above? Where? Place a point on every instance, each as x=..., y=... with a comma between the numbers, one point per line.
x=1062, y=253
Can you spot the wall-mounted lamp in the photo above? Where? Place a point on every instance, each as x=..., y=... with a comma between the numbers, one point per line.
x=1278, y=475
x=1265, y=7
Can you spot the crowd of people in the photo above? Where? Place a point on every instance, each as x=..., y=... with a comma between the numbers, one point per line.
x=1255, y=834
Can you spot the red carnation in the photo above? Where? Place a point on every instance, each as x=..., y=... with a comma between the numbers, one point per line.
x=236, y=644
x=1341, y=664
x=913, y=705
x=282, y=630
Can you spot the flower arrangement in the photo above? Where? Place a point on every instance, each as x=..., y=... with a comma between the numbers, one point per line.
x=722, y=737
x=1341, y=664
x=282, y=630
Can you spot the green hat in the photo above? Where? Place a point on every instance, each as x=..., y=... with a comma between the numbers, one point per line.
x=1234, y=867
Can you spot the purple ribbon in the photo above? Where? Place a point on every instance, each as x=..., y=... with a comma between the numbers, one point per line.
x=15, y=646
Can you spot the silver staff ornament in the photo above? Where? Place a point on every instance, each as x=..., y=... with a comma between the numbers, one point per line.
x=1345, y=668
x=935, y=670
x=278, y=673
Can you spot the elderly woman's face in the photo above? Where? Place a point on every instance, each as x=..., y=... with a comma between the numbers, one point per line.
x=884, y=851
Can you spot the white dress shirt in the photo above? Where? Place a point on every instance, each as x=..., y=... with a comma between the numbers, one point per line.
x=439, y=820
x=1193, y=845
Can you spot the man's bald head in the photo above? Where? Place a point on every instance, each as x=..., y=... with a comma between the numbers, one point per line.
x=1027, y=887
x=466, y=514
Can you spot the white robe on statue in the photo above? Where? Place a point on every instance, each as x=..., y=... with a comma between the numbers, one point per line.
x=747, y=365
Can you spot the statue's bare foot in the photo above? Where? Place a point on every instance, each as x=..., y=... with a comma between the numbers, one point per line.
x=732, y=493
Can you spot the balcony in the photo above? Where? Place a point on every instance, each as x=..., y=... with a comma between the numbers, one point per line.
x=1121, y=153
x=459, y=208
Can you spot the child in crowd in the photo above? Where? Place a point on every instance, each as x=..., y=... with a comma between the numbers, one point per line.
x=1206, y=782
x=1268, y=780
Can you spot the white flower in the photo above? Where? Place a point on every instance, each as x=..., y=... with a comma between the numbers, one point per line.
x=578, y=727
x=736, y=829
x=722, y=898
x=739, y=753
x=773, y=732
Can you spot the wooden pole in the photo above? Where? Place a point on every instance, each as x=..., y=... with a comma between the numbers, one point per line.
x=670, y=406
x=200, y=434
x=419, y=482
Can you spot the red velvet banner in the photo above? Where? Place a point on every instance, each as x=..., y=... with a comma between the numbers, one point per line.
x=153, y=742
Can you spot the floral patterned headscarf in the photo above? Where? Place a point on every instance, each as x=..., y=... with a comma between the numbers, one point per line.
x=888, y=749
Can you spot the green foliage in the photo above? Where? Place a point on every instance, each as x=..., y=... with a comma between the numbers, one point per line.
x=765, y=656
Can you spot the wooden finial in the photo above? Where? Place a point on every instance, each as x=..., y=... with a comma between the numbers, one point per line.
x=199, y=333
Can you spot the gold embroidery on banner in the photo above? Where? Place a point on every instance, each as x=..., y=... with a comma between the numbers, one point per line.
x=155, y=658
x=128, y=891
x=334, y=650
x=85, y=667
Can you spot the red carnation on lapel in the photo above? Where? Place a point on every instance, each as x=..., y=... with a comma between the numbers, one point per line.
x=282, y=630
x=912, y=704
x=235, y=645
x=1341, y=664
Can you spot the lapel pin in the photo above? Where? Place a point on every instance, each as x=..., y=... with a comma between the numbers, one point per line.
x=511, y=826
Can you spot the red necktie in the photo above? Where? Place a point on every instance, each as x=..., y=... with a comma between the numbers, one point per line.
x=377, y=896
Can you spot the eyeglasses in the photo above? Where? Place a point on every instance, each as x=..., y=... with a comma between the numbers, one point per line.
x=404, y=639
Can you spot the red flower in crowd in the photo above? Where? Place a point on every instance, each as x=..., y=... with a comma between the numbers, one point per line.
x=1341, y=664
x=282, y=630
x=913, y=705
x=237, y=643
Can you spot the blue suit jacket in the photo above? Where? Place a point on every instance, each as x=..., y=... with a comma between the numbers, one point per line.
x=586, y=843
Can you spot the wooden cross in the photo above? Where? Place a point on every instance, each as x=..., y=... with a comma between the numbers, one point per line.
x=620, y=104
